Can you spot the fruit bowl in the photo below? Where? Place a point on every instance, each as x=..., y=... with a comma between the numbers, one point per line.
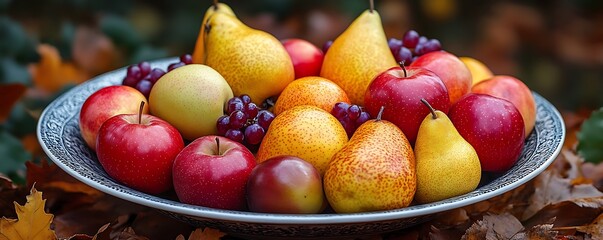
x=58, y=133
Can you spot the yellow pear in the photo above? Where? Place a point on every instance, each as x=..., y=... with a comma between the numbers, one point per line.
x=358, y=55
x=374, y=171
x=199, y=52
x=253, y=62
x=479, y=70
x=304, y=131
x=447, y=165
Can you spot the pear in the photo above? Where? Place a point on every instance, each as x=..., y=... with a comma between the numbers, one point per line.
x=374, y=171
x=252, y=61
x=358, y=55
x=199, y=52
x=447, y=165
x=304, y=131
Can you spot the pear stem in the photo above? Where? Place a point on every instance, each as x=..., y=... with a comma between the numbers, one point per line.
x=401, y=64
x=218, y=145
x=140, y=112
x=215, y=4
x=433, y=113
x=372, y=6
x=380, y=113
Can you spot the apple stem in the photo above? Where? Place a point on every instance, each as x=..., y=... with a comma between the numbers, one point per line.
x=433, y=113
x=218, y=144
x=380, y=113
x=401, y=64
x=140, y=112
x=372, y=6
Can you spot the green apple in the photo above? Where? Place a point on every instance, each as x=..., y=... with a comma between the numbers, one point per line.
x=191, y=98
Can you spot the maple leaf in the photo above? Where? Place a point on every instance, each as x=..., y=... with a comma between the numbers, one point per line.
x=32, y=222
x=204, y=234
x=9, y=95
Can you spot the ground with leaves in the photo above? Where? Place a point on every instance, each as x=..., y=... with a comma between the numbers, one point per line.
x=564, y=202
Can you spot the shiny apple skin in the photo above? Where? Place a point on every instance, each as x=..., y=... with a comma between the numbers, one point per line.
x=139, y=155
x=285, y=184
x=305, y=56
x=401, y=94
x=493, y=126
x=211, y=176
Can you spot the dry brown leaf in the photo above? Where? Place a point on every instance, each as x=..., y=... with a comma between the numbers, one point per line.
x=129, y=234
x=503, y=226
x=32, y=222
x=93, y=51
x=541, y=232
x=9, y=95
x=594, y=229
x=204, y=234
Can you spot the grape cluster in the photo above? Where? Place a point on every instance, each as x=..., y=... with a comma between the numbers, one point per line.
x=244, y=122
x=411, y=46
x=142, y=77
x=350, y=116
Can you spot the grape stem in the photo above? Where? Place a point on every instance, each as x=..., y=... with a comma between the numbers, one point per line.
x=433, y=113
x=140, y=112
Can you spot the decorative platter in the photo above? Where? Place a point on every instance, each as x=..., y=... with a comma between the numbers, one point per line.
x=59, y=134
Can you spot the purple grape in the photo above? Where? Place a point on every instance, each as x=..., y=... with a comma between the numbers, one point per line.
x=145, y=68
x=130, y=81
x=186, y=59
x=251, y=110
x=237, y=120
x=245, y=98
x=155, y=74
x=353, y=112
x=326, y=46
x=234, y=104
x=254, y=134
x=348, y=125
x=340, y=109
x=264, y=118
x=223, y=124
x=432, y=45
x=364, y=116
x=144, y=86
x=235, y=135
x=394, y=44
x=410, y=39
x=404, y=55
x=422, y=40
x=175, y=65
x=419, y=49
x=133, y=71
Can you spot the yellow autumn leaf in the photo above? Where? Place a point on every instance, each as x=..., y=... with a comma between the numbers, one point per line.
x=51, y=73
x=32, y=222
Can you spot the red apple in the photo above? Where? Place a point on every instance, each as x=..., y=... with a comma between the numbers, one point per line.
x=306, y=58
x=285, y=184
x=105, y=103
x=514, y=91
x=493, y=126
x=453, y=72
x=138, y=151
x=212, y=171
x=400, y=92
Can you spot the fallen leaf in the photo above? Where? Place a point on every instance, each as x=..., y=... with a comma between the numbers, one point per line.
x=541, y=232
x=32, y=222
x=204, y=234
x=590, y=139
x=594, y=229
x=504, y=226
x=51, y=74
x=9, y=95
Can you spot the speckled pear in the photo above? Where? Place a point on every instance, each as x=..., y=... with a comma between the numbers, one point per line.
x=199, y=52
x=447, y=165
x=253, y=62
x=358, y=55
x=304, y=131
x=374, y=171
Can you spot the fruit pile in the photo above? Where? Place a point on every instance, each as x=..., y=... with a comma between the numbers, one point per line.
x=251, y=123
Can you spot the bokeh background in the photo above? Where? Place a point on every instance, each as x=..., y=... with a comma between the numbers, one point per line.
x=48, y=46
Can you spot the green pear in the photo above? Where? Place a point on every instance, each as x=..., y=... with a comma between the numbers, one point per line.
x=374, y=171
x=358, y=55
x=447, y=165
x=252, y=61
